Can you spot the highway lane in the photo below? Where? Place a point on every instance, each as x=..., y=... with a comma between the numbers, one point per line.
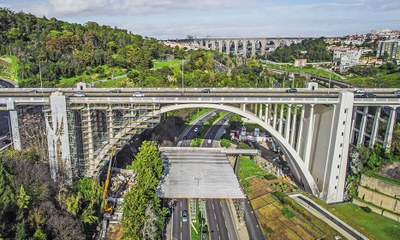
x=219, y=218
x=180, y=229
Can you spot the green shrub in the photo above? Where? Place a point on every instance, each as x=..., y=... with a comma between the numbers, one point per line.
x=269, y=176
x=243, y=145
x=225, y=143
x=280, y=196
x=366, y=209
x=287, y=213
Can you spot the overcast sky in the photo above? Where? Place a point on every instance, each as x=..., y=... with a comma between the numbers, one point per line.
x=169, y=19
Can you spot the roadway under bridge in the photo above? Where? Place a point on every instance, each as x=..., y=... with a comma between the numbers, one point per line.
x=314, y=127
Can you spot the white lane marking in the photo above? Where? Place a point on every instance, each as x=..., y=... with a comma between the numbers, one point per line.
x=212, y=205
x=181, y=235
x=181, y=224
x=215, y=216
x=217, y=227
x=229, y=236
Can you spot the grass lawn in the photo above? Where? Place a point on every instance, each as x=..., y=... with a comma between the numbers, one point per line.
x=10, y=63
x=248, y=168
x=385, y=81
x=175, y=63
x=310, y=70
x=382, y=227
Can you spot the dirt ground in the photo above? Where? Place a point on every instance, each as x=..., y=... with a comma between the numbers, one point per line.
x=391, y=171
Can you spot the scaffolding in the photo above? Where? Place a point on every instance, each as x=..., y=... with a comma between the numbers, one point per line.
x=96, y=128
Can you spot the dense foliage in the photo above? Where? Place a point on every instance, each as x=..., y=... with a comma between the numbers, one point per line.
x=61, y=49
x=314, y=50
x=142, y=217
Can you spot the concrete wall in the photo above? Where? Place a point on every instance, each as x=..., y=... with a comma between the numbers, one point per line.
x=381, y=186
x=378, y=210
x=379, y=199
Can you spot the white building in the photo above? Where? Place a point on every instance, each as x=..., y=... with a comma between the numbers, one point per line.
x=345, y=59
x=391, y=47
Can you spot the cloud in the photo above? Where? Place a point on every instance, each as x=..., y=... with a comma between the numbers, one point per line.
x=123, y=7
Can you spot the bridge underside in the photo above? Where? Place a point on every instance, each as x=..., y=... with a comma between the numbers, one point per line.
x=195, y=173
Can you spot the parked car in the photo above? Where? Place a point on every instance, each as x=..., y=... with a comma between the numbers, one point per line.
x=138, y=94
x=206, y=90
x=367, y=95
x=79, y=94
x=291, y=90
x=184, y=216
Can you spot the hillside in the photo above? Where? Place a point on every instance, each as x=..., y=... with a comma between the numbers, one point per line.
x=65, y=50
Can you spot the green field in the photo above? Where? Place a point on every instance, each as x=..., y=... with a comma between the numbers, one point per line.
x=310, y=70
x=385, y=81
x=248, y=168
x=9, y=68
x=175, y=63
x=383, y=228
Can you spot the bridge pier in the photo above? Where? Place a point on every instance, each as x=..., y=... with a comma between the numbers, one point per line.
x=220, y=43
x=14, y=125
x=363, y=126
x=294, y=125
x=280, y=125
x=245, y=48
x=253, y=48
x=389, y=130
x=298, y=142
x=266, y=114
x=236, y=43
x=287, y=122
x=309, y=136
x=275, y=115
x=375, y=127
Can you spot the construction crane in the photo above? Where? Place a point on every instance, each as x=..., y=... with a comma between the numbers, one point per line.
x=108, y=208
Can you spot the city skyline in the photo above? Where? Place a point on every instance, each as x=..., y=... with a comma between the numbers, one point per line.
x=222, y=18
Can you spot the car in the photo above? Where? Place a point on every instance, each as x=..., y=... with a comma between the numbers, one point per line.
x=196, y=129
x=79, y=94
x=33, y=91
x=397, y=92
x=291, y=90
x=115, y=91
x=138, y=94
x=184, y=216
x=360, y=90
x=185, y=138
x=286, y=169
x=205, y=90
x=6, y=141
x=366, y=95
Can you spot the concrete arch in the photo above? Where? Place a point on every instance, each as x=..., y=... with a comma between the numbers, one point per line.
x=309, y=182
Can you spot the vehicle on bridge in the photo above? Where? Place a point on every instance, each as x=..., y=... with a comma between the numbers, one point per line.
x=138, y=94
x=206, y=90
x=291, y=90
x=79, y=94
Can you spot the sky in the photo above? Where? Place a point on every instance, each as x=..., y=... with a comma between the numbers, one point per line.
x=171, y=19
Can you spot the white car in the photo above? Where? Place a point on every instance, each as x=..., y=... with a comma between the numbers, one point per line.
x=138, y=94
x=360, y=90
x=79, y=94
x=196, y=129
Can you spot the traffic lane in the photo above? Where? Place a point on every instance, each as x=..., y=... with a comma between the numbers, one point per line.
x=214, y=129
x=216, y=221
x=180, y=229
x=252, y=223
x=6, y=84
x=229, y=224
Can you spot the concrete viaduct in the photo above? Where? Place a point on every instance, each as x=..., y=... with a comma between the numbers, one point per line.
x=241, y=46
x=314, y=127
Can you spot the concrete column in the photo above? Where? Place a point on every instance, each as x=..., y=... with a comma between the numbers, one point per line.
x=269, y=114
x=287, y=123
x=263, y=46
x=220, y=42
x=363, y=125
x=213, y=45
x=236, y=43
x=375, y=127
x=255, y=109
x=90, y=136
x=14, y=125
x=353, y=126
x=280, y=126
x=389, y=129
x=298, y=143
x=228, y=47
x=293, y=133
x=266, y=114
x=110, y=123
x=260, y=108
x=253, y=48
x=245, y=47
x=275, y=115
x=243, y=107
x=310, y=132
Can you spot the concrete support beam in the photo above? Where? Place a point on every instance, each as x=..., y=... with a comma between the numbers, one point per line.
x=387, y=142
x=236, y=43
x=375, y=127
x=253, y=48
x=14, y=125
x=245, y=47
x=228, y=47
x=280, y=126
x=220, y=43
x=298, y=143
x=110, y=123
x=363, y=125
x=263, y=47
x=309, y=137
x=266, y=114
x=243, y=107
x=89, y=140
x=260, y=108
x=287, y=122
x=255, y=109
x=294, y=122
x=213, y=45
x=275, y=115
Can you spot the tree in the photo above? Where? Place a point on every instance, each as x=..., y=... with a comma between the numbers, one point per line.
x=22, y=198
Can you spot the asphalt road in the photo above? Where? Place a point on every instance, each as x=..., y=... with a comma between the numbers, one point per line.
x=219, y=219
x=180, y=229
